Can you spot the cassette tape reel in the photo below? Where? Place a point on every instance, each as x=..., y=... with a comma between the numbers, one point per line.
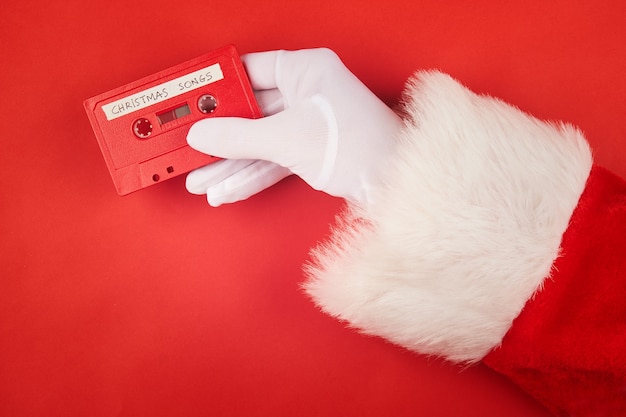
x=142, y=127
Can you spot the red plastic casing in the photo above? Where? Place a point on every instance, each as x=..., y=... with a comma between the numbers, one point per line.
x=134, y=162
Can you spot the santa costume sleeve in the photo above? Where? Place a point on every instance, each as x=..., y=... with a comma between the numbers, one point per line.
x=492, y=237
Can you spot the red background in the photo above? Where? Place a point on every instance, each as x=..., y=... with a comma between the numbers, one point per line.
x=155, y=304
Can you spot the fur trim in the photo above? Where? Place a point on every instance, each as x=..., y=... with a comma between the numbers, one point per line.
x=463, y=231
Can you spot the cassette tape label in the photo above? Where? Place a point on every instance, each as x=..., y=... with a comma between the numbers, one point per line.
x=167, y=90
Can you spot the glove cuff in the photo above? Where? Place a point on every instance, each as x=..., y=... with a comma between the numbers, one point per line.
x=464, y=226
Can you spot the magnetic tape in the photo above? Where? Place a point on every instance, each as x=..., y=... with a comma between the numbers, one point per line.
x=142, y=127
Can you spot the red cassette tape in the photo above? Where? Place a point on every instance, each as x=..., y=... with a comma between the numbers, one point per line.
x=142, y=127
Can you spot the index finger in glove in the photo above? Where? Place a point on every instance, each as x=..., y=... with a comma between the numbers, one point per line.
x=296, y=74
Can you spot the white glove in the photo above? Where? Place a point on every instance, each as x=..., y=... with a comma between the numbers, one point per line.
x=322, y=124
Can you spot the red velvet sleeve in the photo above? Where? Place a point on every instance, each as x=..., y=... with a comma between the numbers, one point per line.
x=568, y=346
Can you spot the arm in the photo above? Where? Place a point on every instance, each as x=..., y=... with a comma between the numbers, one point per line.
x=462, y=236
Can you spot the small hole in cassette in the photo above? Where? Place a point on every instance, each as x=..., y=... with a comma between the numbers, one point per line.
x=156, y=178
x=169, y=169
x=207, y=103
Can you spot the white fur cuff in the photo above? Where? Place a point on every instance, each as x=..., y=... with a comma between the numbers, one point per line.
x=463, y=231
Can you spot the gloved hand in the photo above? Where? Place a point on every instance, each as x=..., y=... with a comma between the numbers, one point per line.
x=321, y=124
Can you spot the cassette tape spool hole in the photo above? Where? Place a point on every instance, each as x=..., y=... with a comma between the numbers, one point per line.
x=142, y=128
x=207, y=103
